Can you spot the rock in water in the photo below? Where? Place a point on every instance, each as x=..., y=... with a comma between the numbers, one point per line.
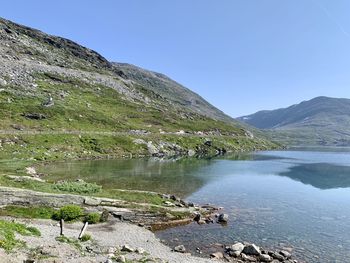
x=180, y=248
x=251, y=250
x=197, y=217
x=223, y=218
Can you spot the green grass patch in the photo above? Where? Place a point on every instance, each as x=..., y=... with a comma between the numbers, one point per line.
x=85, y=238
x=8, y=230
x=72, y=241
x=38, y=212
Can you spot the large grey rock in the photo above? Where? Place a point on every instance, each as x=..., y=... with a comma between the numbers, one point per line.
x=152, y=149
x=223, y=218
x=251, y=250
x=236, y=249
x=92, y=201
x=286, y=254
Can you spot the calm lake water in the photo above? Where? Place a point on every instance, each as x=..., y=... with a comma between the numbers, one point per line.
x=298, y=199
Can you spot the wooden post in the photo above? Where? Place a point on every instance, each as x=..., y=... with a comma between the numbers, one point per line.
x=61, y=226
x=83, y=230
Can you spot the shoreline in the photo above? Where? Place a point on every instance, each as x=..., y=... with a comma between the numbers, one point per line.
x=138, y=233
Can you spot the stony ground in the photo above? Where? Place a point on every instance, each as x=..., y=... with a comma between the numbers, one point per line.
x=107, y=243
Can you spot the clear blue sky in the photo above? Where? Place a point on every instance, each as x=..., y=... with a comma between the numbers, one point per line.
x=240, y=55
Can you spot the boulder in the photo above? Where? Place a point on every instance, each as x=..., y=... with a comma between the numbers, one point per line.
x=197, y=217
x=191, y=152
x=251, y=250
x=152, y=149
x=127, y=248
x=139, y=141
x=276, y=256
x=180, y=249
x=265, y=258
x=223, y=218
x=236, y=249
x=90, y=201
x=248, y=258
x=286, y=254
x=34, y=116
x=217, y=255
x=104, y=216
x=201, y=222
x=209, y=220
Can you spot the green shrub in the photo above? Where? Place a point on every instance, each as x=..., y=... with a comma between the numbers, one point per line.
x=79, y=187
x=93, y=218
x=69, y=213
x=85, y=238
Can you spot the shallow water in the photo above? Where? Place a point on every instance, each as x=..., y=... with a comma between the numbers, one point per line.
x=298, y=199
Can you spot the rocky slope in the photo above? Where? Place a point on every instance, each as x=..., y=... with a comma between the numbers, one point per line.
x=62, y=100
x=320, y=121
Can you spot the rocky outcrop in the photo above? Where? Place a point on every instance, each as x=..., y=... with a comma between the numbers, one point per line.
x=142, y=214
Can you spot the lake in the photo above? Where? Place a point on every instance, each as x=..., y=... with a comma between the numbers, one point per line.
x=298, y=199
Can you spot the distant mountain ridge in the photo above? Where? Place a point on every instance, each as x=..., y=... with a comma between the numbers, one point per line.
x=319, y=121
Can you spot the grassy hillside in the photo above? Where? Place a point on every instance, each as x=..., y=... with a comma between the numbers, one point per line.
x=62, y=100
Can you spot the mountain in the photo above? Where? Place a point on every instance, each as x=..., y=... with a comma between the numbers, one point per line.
x=319, y=121
x=62, y=100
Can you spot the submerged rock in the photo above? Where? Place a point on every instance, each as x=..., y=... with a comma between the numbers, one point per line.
x=223, y=218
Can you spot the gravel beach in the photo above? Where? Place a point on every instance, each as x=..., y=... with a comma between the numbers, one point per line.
x=107, y=239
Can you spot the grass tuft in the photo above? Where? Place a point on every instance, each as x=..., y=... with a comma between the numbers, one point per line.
x=8, y=231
